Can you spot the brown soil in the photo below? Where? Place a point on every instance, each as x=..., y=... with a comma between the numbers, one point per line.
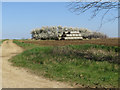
x=14, y=77
x=107, y=42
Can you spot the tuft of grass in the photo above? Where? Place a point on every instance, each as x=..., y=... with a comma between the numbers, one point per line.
x=64, y=64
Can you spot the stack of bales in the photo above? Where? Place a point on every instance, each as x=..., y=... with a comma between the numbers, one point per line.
x=69, y=35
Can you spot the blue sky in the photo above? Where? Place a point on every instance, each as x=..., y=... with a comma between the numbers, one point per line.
x=18, y=19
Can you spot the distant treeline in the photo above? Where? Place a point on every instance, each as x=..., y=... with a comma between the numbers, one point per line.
x=52, y=33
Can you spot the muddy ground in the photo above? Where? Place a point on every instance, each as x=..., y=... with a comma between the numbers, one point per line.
x=107, y=42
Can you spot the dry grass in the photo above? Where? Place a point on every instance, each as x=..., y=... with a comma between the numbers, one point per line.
x=102, y=52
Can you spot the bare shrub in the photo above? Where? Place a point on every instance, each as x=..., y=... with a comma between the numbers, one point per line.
x=97, y=35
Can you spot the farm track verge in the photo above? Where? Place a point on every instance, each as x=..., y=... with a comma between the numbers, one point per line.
x=16, y=77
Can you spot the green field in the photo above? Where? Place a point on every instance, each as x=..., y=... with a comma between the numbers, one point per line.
x=87, y=65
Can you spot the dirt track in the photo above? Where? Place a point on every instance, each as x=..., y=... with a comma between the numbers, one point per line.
x=14, y=77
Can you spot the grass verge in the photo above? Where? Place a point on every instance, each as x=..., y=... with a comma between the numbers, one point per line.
x=2, y=41
x=65, y=63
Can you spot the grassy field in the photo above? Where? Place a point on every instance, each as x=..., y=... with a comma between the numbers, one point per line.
x=88, y=65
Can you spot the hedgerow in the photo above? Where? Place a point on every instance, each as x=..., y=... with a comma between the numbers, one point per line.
x=52, y=33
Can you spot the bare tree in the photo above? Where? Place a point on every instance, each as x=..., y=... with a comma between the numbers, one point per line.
x=80, y=6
